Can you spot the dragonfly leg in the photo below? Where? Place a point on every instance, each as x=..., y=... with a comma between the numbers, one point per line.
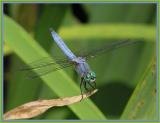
x=95, y=86
x=85, y=86
x=81, y=88
x=92, y=85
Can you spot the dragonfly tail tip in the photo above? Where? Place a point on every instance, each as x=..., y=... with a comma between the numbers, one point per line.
x=50, y=29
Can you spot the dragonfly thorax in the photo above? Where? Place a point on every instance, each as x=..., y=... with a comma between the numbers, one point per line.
x=79, y=60
x=84, y=70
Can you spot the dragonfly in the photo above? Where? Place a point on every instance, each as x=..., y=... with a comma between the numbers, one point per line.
x=82, y=68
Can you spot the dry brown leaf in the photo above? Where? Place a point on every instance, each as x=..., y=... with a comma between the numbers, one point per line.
x=38, y=107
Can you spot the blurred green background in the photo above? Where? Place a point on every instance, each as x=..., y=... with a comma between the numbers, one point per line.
x=125, y=76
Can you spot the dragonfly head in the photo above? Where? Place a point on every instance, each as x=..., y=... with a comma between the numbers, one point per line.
x=90, y=77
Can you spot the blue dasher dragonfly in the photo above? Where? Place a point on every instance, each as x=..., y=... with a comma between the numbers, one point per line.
x=88, y=77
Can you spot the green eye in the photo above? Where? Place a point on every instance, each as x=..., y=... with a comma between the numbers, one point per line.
x=88, y=76
x=93, y=75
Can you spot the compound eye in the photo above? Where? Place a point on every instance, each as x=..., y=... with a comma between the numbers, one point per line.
x=88, y=76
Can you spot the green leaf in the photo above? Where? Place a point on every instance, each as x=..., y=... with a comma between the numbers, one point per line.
x=24, y=14
x=142, y=104
x=7, y=50
x=28, y=50
x=109, y=31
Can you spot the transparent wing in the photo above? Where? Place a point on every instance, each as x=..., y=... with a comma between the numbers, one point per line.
x=107, y=48
x=43, y=62
x=44, y=66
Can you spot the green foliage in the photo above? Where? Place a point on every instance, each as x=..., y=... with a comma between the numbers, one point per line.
x=125, y=76
x=141, y=106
